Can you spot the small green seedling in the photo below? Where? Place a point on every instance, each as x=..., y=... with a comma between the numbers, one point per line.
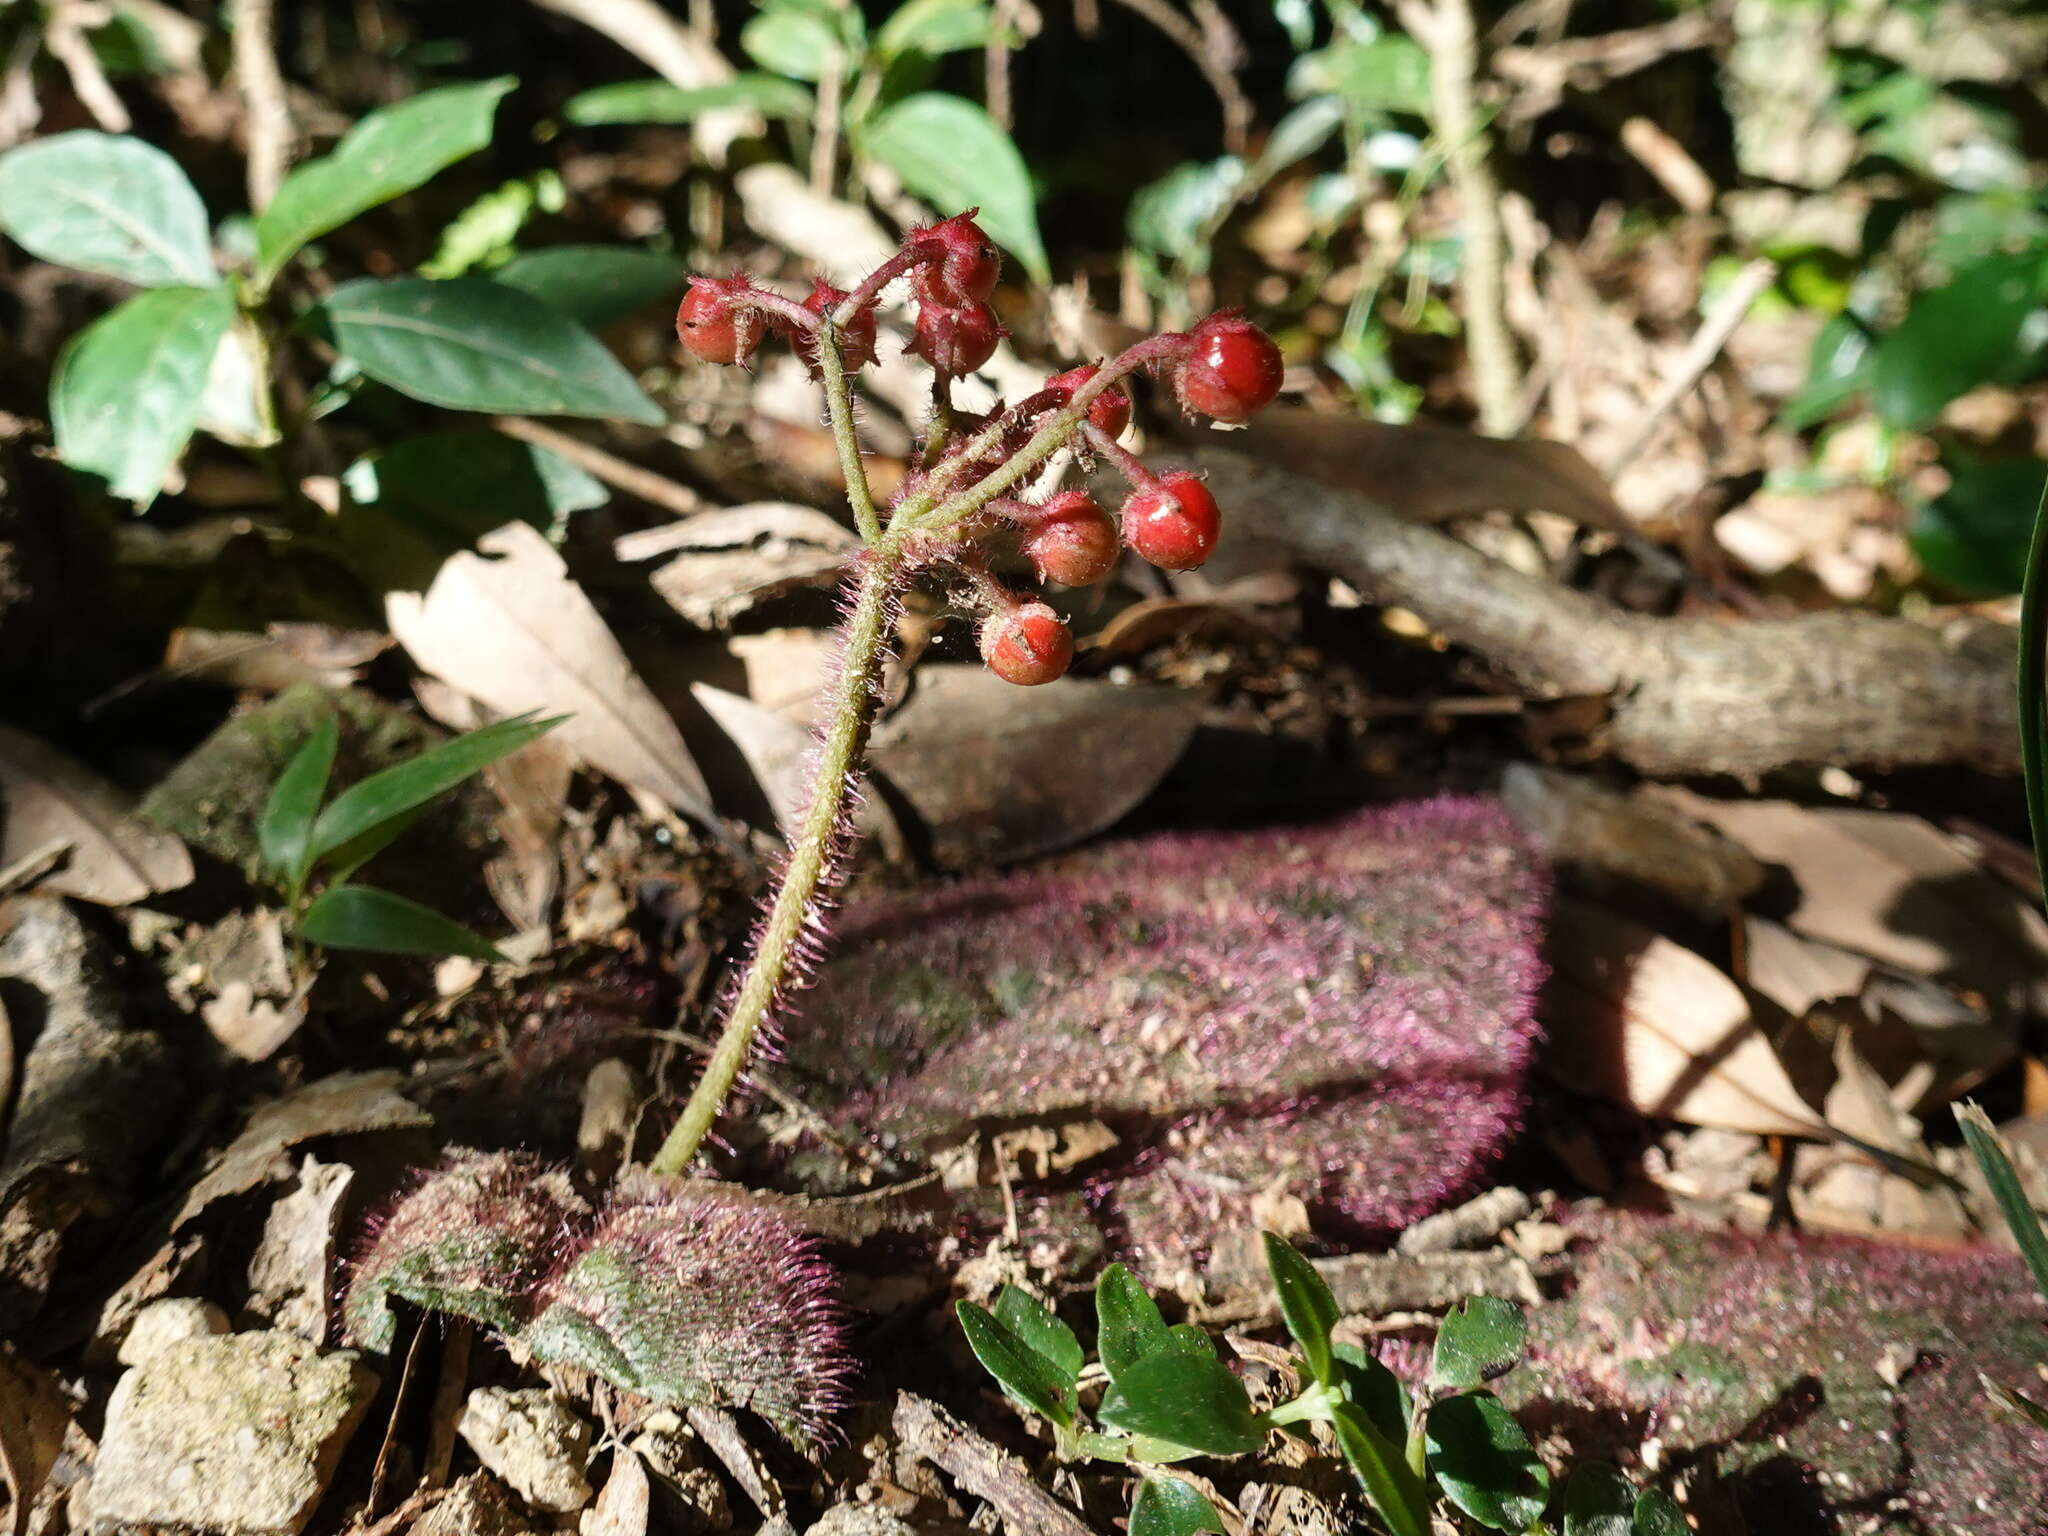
x=311, y=850
x=1170, y=1397
x=2025, y=1223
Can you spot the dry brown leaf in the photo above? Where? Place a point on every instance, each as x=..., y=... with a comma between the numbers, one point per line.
x=1846, y=1190
x=775, y=747
x=989, y=768
x=1797, y=973
x=727, y=561
x=252, y=1027
x=1640, y=1019
x=34, y=1413
x=532, y=786
x=114, y=859
x=515, y=632
x=622, y=1504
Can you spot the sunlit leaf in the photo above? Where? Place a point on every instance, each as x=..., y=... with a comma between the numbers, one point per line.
x=1485, y=1463
x=107, y=203
x=363, y=917
x=1383, y=1472
x=286, y=831
x=405, y=786
x=1306, y=1304
x=1025, y=1374
x=1478, y=1339
x=953, y=154
x=1168, y=1506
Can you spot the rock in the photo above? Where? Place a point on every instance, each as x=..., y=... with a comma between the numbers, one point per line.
x=236, y=1433
x=476, y=1506
x=860, y=1520
x=535, y=1441
x=163, y=1323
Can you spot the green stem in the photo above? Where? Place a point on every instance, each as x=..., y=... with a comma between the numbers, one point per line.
x=839, y=402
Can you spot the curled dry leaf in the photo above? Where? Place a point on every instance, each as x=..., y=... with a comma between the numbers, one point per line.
x=1645, y=1021
x=114, y=859
x=1848, y=1191
x=509, y=627
x=728, y=561
x=1797, y=973
x=532, y=786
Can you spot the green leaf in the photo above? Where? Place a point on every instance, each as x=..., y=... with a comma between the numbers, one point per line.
x=1127, y=1321
x=1656, y=1514
x=1024, y=1373
x=2006, y=1189
x=1478, y=1339
x=1485, y=1462
x=1598, y=1501
x=107, y=203
x=1974, y=536
x=1378, y=1391
x=363, y=917
x=804, y=39
x=475, y=345
x=1167, y=1506
x=2015, y=1402
x=1838, y=368
x=285, y=833
x=1191, y=1399
x=1964, y=333
x=1391, y=1485
x=933, y=27
x=389, y=152
x=1042, y=1332
x=1306, y=1304
x=594, y=285
x=458, y=486
x=657, y=101
x=126, y=391
x=953, y=155
x=1389, y=73
x=343, y=862
x=404, y=786
x=1297, y=136
x=2033, y=687
x=1173, y=216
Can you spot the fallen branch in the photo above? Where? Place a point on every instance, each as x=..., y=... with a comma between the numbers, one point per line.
x=984, y=1469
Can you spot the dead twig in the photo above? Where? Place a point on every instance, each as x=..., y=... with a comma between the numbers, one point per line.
x=672, y=49
x=64, y=35
x=1210, y=48
x=983, y=1469
x=614, y=471
x=267, y=120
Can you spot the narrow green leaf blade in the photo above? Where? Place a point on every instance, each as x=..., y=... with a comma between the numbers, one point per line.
x=1168, y=1506
x=1042, y=1333
x=2006, y=1189
x=953, y=155
x=389, y=152
x=1598, y=1501
x=1128, y=1324
x=107, y=203
x=1479, y=1338
x=412, y=783
x=1369, y=1385
x=343, y=862
x=1485, y=1463
x=1190, y=1399
x=2033, y=684
x=1306, y=1304
x=1397, y=1494
x=363, y=917
x=2015, y=1402
x=1657, y=1514
x=127, y=388
x=594, y=285
x=475, y=345
x=1024, y=1373
x=285, y=833
x=657, y=101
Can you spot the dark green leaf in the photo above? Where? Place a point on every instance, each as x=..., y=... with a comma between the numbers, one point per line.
x=1167, y=1506
x=342, y=863
x=458, y=486
x=285, y=833
x=1598, y=1501
x=1306, y=1304
x=933, y=27
x=127, y=388
x=1371, y=1386
x=363, y=917
x=389, y=152
x=1657, y=1515
x=1973, y=538
x=1838, y=368
x=657, y=101
x=404, y=786
x=1396, y=1493
x=2007, y=1190
x=107, y=203
x=475, y=345
x=1024, y=1373
x=1955, y=337
x=1191, y=1399
x=1042, y=1332
x=953, y=155
x=1478, y=1339
x=1127, y=1320
x=594, y=284
x=2033, y=687
x=1485, y=1462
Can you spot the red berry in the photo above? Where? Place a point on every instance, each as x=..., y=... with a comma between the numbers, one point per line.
x=856, y=340
x=967, y=266
x=1071, y=540
x=956, y=341
x=1110, y=411
x=1173, y=525
x=1028, y=645
x=714, y=323
x=1233, y=371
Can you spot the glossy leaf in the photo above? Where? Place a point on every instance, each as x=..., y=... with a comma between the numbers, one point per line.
x=389, y=152
x=1042, y=1332
x=594, y=285
x=2006, y=1189
x=1391, y=1485
x=1306, y=1304
x=1598, y=1501
x=1127, y=1321
x=126, y=392
x=657, y=101
x=1485, y=1463
x=1024, y=1373
x=286, y=831
x=475, y=345
x=2033, y=687
x=1657, y=1514
x=953, y=155
x=363, y=917
x=1964, y=333
x=933, y=27
x=405, y=786
x=1478, y=1339
x=1191, y=1399
x=1168, y=1506
x=458, y=486
x=108, y=203
x=1378, y=1391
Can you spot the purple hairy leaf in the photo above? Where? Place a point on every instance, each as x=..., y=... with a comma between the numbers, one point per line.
x=1825, y=1379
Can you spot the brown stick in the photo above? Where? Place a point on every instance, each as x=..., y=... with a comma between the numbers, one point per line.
x=1685, y=695
x=983, y=1469
x=614, y=471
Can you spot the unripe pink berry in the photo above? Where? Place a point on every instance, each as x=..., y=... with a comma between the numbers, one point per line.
x=967, y=266
x=1174, y=525
x=1110, y=411
x=1071, y=540
x=714, y=324
x=1233, y=371
x=1028, y=645
x=956, y=341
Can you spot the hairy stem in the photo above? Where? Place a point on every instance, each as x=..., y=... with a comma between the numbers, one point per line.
x=839, y=404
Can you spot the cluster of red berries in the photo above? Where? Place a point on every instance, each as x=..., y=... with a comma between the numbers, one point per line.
x=1225, y=368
